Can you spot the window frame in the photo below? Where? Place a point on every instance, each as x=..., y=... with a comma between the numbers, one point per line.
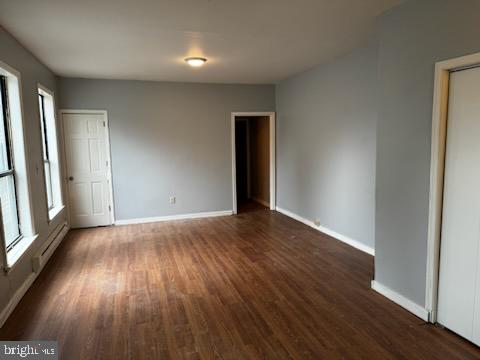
x=50, y=142
x=46, y=152
x=7, y=126
x=23, y=184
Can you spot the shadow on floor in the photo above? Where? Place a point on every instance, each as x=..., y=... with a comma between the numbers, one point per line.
x=250, y=206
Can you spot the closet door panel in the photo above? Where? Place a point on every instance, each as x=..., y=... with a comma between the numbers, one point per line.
x=459, y=303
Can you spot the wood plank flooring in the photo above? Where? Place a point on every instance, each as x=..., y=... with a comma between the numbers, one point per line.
x=254, y=286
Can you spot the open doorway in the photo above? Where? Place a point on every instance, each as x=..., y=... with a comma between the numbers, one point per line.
x=253, y=161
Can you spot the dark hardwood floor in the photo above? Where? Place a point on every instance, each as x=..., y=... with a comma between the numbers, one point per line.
x=257, y=285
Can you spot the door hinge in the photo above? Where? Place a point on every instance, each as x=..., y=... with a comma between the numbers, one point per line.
x=106, y=162
x=109, y=208
x=104, y=124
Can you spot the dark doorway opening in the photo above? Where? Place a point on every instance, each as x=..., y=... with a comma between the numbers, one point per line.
x=252, y=161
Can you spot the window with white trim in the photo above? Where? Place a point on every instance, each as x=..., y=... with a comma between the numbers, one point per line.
x=8, y=196
x=17, y=230
x=50, y=152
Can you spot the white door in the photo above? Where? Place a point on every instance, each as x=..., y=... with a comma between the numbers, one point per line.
x=459, y=287
x=88, y=169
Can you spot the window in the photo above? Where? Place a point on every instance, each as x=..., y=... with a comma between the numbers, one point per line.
x=50, y=152
x=46, y=160
x=17, y=230
x=8, y=196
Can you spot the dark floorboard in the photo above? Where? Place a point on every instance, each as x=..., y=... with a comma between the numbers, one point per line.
x=252, y=286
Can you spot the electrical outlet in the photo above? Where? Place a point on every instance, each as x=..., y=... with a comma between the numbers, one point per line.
x=172, y=200
x=317, y=222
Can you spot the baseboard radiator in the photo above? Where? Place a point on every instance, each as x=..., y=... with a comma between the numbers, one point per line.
x=46, y=251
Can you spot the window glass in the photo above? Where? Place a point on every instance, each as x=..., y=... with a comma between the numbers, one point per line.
x=48, y=180
x=51, y=164
x=41, y=105
x=9, y=210
x=8, y=196
x=3, y=140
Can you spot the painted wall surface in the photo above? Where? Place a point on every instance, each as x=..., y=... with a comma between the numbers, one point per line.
x=353, y=139
x=326, y=144
x=32, y=72
x=412, y=38
x=259, y=139
x=168, y=139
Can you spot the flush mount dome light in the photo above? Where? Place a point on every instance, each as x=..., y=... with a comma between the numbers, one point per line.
x=195, y=61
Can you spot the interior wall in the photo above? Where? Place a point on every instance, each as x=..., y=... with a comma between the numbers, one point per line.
x=326, y=123
x=168, y=139
x=413, y=37
x=32, y=72
x=329, y=145
x=259, y=140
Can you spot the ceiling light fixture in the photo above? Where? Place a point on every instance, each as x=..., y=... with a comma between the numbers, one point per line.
x=195, y=61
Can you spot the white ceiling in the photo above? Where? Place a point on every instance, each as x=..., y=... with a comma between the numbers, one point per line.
x=245, y=41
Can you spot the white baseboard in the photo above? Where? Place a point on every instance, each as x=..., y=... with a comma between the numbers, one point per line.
x=354, y=243
x=401, y=300
x=174, y=217
x=260, y=201
x=46, y=251
x=22, y=290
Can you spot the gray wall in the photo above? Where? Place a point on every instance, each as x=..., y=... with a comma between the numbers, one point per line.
x=175, y=139
x=326, y=144
x=168, y=139
x=412, y=38
x=32, y=72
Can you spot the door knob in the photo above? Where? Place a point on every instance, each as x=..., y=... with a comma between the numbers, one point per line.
x=70, y=178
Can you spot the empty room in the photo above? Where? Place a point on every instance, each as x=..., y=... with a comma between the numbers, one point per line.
x=200, y=179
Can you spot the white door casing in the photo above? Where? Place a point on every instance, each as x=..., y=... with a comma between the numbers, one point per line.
x=272, y=148
x=459, y=284
x=88, y=168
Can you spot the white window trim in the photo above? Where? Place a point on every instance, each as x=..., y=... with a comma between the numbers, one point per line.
x=58, y=208
x=23, y=182
x=55, y=211
x=19, y=250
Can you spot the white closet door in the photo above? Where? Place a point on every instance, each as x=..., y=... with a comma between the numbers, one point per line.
x=459, y=287
x=88, y=169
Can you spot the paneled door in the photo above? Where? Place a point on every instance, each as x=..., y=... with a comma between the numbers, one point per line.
x=459, y=284
x=88, y=168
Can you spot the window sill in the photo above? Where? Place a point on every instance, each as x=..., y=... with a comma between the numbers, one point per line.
x=18, y=250
x=53, y=213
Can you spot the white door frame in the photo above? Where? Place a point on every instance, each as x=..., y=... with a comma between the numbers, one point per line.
x=437, y=168
x=108, y=155
x=271, y=115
